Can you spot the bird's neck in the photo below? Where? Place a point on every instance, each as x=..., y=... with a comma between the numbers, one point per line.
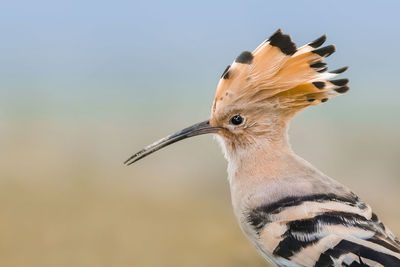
x=265, y=155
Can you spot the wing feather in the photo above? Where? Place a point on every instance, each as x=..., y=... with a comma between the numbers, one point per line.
x=325, y=230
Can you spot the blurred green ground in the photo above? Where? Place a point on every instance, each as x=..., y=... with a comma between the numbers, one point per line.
x=67, y=200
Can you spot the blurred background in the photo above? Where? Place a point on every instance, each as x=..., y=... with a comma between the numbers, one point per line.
x=84, y=84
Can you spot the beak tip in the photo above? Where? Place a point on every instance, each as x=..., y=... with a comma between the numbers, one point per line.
x=196, y=129
x=130, y=160
x=128, y=163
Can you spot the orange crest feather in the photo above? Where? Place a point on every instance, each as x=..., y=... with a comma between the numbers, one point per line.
x=280, y=74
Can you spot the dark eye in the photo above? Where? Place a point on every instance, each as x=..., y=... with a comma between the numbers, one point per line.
x=236, y=120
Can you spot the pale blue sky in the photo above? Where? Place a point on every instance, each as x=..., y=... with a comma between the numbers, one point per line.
x=118, y=57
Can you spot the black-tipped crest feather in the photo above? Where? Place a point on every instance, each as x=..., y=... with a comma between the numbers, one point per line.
x=318, y=42
x=283, y=42
x=225, y=74
x=339, y=82
x=319, y=85
x=325, y=51
x=342, y=90
x=246, y=57
x=294, y=78
x=338, y=71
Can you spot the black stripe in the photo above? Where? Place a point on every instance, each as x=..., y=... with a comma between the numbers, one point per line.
x=338, y=71
x=325, y=51
x=290, y=245
x=383, y=243
x=260, y=216
x=308, y=226
x=346, y=246
x=318, y=65
x=342, y=90
x=319, y=85
x=225, y=74
x=277, y=206
x=283, y=42
x=318, y=42
x=339, y=82
x=246, y=57
x=374, y=217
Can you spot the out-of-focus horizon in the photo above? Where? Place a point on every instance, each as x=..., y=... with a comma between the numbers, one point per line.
x=83, y=85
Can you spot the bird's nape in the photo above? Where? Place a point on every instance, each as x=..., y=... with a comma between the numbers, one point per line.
x=196, y=129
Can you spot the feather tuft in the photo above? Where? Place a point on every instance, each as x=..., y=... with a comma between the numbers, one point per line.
x=277, y=74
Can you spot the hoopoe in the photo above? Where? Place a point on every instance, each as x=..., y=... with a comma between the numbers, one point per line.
x=291, y=212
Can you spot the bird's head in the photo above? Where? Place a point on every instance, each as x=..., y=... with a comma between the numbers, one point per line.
x=261, y=91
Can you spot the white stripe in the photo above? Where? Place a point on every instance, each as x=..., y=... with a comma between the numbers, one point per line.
x=310, y=209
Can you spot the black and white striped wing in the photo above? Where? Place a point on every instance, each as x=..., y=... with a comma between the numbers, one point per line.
x=324, y=230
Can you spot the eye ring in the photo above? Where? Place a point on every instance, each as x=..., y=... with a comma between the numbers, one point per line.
x=236, y=120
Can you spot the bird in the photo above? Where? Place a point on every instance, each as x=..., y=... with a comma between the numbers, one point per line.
x=292, y=213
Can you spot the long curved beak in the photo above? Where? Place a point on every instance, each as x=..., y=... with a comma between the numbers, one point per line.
x=196, y=129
